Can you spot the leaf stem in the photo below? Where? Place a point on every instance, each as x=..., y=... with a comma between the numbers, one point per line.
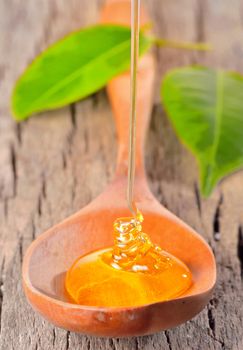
x=181, y=44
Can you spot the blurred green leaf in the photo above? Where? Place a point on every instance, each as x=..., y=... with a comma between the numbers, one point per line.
x=74, y=68
x=205, y=107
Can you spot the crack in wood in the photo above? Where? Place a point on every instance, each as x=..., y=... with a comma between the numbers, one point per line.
x=13, y=159
x=68, y=340
x=212, y=323
x=33, y=230
x=73, y=130
x=39, y=206
x=240, y=248
x=136, y=344
x=211, y=320
x=198, y=198
x=21, y=255
x=168, y=339
x=42, y=195
x=89, y=345
x=54, y=336
x=216, y=220
x=220, y=342
x=73, y=115
x=1, y=289
x=112, y=344
x=18, y=129
x=73, y=188
x=64, y=160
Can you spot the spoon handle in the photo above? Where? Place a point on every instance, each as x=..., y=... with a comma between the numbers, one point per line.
x=118, y=12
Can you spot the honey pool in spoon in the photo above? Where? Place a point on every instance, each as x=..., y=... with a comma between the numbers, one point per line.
x=135, y=271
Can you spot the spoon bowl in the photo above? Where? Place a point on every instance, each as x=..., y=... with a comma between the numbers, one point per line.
x=52, y=253
x=50, y=256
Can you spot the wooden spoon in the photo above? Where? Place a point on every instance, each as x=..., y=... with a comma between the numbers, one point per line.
x=52, y=253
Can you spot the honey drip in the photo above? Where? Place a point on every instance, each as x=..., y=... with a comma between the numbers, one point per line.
x=134, y=271
x=133, y=250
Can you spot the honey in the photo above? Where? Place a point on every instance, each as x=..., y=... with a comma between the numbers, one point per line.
x=134, y=271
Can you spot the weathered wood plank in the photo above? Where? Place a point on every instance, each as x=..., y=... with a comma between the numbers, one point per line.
x=75, y=146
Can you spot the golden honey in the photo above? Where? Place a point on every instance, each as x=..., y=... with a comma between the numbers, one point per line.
x=134, y=272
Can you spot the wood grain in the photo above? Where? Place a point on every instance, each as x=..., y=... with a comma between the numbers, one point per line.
x=75, y=146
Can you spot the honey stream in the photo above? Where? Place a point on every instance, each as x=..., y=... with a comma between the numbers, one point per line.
x=134, y=271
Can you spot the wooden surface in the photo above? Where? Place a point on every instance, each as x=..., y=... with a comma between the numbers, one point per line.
x=55, y=163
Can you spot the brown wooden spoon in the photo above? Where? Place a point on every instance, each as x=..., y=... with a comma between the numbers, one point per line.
x=52, y=253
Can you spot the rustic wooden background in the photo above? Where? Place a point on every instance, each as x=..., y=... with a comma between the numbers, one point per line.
x=55, y=163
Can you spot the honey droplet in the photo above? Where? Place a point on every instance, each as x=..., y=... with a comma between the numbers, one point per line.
x=134, y=272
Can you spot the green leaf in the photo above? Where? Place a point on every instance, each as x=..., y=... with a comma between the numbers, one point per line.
x=74, y=68
x=205, y=107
